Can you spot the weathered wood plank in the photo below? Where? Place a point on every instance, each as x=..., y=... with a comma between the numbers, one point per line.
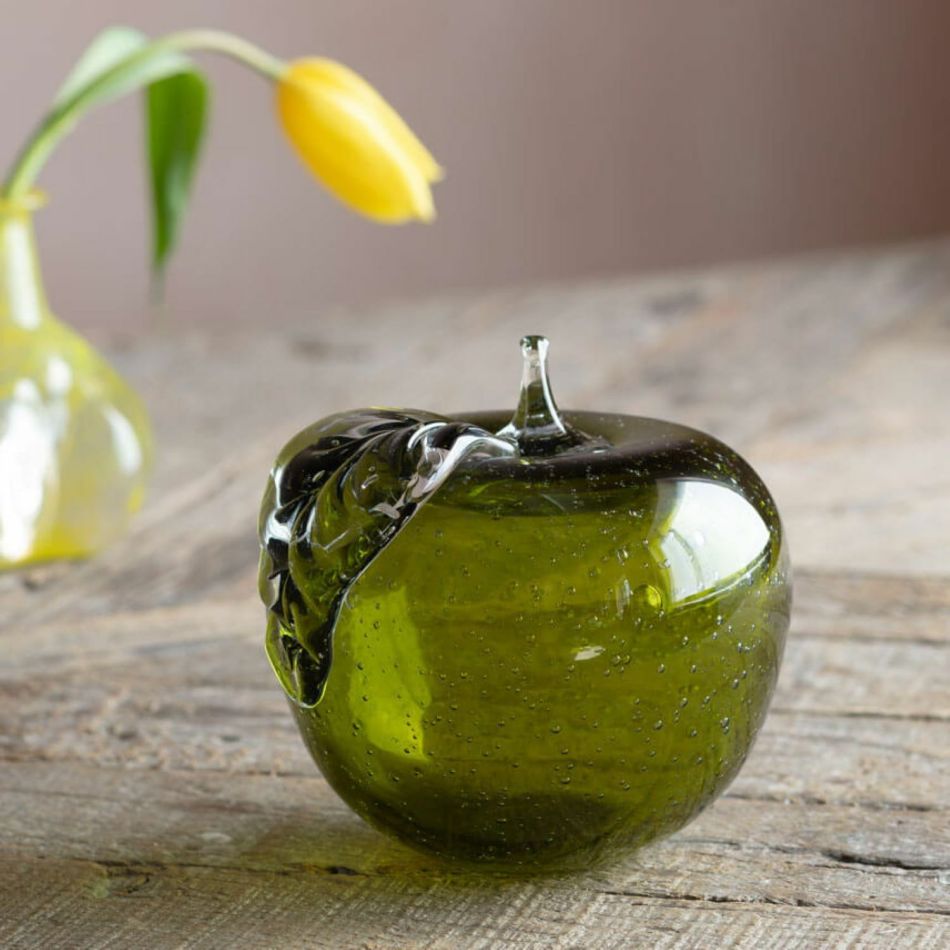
x=739, y=850
x=135, y=707
x=835, y=604
x=245, y=727
x=860, y=678
x=203, y=663
x=85, y=903
x=876, y=606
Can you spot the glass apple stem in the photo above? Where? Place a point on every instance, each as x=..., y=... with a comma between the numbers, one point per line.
x=537, y=426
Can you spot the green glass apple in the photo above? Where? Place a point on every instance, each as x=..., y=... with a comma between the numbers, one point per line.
x=525, y=645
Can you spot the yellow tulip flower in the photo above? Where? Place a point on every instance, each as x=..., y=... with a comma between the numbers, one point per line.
x=355, y=143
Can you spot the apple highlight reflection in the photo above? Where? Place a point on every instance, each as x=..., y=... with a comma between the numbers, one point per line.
x=700, y=561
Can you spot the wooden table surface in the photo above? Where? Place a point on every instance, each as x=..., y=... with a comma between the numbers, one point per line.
x=154, y=792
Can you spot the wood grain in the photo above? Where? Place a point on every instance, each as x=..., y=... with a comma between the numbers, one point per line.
x=153, y=792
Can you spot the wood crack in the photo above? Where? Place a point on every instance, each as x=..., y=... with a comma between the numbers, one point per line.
x=744, y=903
x=860, y=714
x=872, y=861
x=871, y=639
x=841, y=857
x=868, y=804
x=119, y=868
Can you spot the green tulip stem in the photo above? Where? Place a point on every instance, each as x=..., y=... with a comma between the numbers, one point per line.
x=61, y=118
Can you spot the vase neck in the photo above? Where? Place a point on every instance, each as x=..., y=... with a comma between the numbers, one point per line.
x=22, y=300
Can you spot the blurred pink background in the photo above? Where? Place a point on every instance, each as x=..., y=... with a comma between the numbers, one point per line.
x=581, y=139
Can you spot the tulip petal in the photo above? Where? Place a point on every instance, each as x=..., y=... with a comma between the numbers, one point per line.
x=352, y=84
x=354, y=142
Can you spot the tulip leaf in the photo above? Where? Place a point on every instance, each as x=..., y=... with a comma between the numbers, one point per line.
x=176, y=109
x=110, y=63
x=108, y=49
x=120, y=60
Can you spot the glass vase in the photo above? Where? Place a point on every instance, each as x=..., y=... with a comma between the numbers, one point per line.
x=75, y=440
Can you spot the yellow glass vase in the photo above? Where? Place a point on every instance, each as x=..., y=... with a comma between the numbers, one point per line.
x=75, y=440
